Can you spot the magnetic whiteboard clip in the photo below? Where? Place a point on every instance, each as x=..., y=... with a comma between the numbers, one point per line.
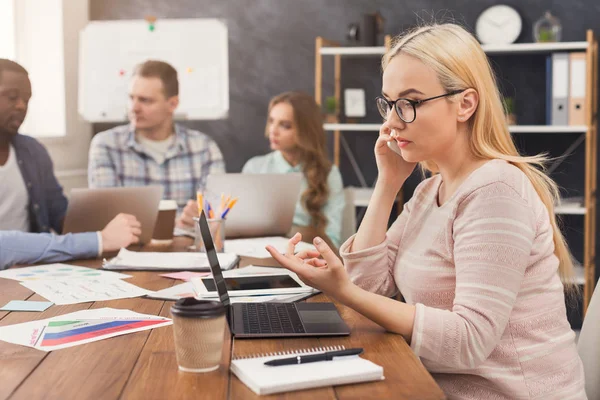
x=151, y=19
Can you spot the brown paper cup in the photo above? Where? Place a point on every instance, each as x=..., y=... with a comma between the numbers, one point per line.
x=198, y=331
x=165, y=222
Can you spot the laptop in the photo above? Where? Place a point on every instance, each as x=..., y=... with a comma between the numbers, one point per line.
x=90, y=210
x=266, y=205
x=262, y=320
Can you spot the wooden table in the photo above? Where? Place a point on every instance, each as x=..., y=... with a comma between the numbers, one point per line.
x=142, y=365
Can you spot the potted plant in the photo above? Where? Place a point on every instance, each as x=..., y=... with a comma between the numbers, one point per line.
x=509, y=108
x=331, y=109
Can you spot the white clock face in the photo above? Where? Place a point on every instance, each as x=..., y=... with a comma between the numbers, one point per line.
x=498, y=25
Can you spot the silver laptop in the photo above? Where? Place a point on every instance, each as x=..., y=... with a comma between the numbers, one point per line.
x=91, y=210
x=266, y=202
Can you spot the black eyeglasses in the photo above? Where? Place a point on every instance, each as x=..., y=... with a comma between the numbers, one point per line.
x=406, y=108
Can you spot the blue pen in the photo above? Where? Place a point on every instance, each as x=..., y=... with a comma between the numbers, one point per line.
x=225, y=213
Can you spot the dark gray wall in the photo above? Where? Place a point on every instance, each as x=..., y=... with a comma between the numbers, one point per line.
x=271, y=49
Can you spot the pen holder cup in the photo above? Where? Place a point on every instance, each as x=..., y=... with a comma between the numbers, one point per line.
x=199, y=334
x=217, y=231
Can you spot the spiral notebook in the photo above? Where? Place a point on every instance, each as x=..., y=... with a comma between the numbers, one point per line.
x=263, y=379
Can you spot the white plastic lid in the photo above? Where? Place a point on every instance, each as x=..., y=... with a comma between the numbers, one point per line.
x=167, y=205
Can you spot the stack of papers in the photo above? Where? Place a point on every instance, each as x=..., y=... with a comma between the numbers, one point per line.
x=80, y=327
x=253, y=250
x=187, y=289
x=156, y=261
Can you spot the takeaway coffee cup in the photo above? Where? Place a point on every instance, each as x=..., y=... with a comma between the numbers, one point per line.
x=198, y=330
x=165, y=222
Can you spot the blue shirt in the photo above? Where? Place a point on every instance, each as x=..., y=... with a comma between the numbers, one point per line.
x=47, y=207
x=274, y=163
x=47, y=204
x=28, y=248
x=117, y=159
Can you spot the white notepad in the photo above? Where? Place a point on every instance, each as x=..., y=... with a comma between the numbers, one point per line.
x=264, y=379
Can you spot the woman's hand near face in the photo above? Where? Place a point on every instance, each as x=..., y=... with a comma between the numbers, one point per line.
x=326, y=274
x=393, y=169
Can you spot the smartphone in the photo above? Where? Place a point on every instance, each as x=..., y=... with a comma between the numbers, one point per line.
x=394, y=147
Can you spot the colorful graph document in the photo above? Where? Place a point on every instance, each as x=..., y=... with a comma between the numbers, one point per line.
x=73, y=291
x=79, y=328
x=57, y=271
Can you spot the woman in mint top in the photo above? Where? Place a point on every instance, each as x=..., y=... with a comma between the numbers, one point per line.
x=295, y=131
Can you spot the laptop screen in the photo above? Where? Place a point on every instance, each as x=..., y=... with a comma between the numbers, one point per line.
x=213, y=260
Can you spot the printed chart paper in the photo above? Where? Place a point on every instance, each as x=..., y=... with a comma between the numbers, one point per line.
x=57, y=271
x=73, y=291
x=67, y=332
x=80, y=327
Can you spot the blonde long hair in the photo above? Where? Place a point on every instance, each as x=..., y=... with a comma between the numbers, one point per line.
x=460, y=62
x=312, y=152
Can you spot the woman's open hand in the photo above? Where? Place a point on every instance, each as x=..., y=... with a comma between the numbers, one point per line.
x=321, y=269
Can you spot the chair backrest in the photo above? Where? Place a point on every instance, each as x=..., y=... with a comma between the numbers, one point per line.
x=349, y=215
x=588, y=346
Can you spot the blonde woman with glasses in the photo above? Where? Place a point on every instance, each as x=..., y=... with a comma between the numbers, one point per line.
x=476, y=252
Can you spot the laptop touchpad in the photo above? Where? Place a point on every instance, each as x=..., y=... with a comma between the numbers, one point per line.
x=323, y=322
x=318, y=317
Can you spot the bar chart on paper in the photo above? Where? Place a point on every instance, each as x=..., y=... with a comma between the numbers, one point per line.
x=69, y=332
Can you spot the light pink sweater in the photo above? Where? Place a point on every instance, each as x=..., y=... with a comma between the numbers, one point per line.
x=490, y=317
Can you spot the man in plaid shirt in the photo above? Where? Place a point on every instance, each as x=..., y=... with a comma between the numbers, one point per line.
x=152, y=150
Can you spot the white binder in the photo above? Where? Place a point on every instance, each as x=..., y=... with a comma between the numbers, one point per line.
x=577, y=82
x=560, y=89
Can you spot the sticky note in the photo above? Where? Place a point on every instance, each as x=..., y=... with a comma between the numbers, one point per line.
x=185, y=275
x=20, y=305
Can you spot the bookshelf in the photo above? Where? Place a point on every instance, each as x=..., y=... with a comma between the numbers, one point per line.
x=512, y=128
x=586, y=272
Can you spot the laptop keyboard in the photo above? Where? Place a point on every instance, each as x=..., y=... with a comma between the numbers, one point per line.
x=271, y=318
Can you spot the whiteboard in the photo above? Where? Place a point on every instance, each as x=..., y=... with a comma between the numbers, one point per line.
x=196, y=48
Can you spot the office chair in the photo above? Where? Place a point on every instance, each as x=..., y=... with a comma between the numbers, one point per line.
x=588, y=346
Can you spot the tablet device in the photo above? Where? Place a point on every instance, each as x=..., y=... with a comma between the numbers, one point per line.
x=250, y=285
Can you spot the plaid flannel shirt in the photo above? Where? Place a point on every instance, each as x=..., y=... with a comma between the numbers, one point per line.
x=117, y=159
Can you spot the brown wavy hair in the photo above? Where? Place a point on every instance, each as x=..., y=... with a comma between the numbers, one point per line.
x=312, y=152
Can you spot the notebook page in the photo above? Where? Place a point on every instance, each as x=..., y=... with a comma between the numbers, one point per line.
x=264, y=379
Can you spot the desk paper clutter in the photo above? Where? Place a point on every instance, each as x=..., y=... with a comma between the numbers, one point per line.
x=73, y=291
